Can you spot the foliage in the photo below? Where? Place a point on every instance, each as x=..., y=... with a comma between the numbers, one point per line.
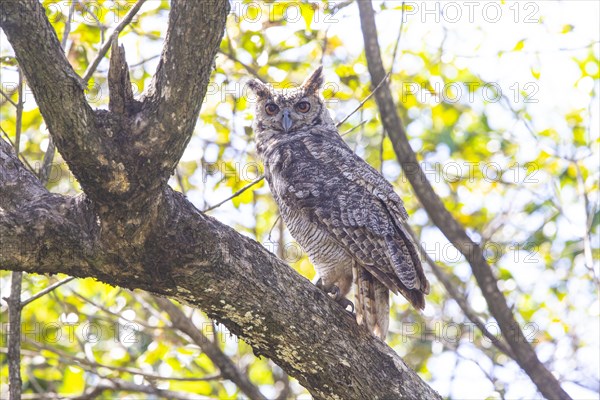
x=513, y=161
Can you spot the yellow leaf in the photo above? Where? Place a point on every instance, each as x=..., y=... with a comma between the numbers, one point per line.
x=308, y=12
x=567, y=28
x=73, y=381
x=519, y=46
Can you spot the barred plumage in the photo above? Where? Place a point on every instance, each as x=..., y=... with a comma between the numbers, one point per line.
x=344, y=214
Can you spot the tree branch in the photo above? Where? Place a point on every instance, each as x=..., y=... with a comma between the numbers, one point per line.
x=93, y=366
x=14, y=300
x=226, y=367
x=109, y=42
x=459, y=297
x=179, y=84
x=525, y=355
x=14, y=335
x=117, y=385
x=47, y=290
x=119, y=84
x=237, y=193
x=198, y=261
x=362, y=103
x=58, y=91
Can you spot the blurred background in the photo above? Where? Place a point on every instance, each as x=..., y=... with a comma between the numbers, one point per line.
x=500, y=102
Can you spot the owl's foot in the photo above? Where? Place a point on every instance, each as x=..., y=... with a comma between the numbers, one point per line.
x=344, y=302
x=334, y=291
x=320, y=285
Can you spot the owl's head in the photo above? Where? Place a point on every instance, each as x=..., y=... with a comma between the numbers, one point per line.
x=290, y=112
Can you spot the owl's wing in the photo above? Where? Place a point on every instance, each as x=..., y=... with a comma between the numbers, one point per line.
x=330, y=148
x=367, y=219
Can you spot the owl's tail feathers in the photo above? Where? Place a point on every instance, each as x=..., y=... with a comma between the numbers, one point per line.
x=372, y=303
x=416, y=296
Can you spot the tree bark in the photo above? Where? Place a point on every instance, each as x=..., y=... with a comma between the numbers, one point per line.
x=130, y=229
x=524, y=353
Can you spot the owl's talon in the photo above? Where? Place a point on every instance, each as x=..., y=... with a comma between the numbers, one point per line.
x=335, y=292
x=320, y=285
x=344, y=302
x=332, y=290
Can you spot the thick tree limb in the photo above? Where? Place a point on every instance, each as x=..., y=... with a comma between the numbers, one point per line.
x=179, y=85
x=525, y=355
x=206, y=264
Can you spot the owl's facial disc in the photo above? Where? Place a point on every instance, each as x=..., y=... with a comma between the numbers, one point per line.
x=286, y=120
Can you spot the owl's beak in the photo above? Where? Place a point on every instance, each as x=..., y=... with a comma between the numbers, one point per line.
x=286, y=120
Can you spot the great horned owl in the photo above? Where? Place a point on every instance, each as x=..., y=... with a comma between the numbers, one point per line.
x=344, y=214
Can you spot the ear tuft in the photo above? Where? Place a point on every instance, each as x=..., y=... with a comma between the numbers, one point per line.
x=259, y=88
x=313, y=83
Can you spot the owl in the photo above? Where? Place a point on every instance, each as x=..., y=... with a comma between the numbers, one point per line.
x=343, y=213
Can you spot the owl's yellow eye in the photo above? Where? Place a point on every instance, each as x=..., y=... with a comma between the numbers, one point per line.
x=271, y=108
x=303, y=106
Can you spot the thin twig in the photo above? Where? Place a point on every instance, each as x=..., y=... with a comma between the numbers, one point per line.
x=242, y=190
x=248, y=68
x=353, y=128
x=67, y=30
x=19, y=118
x=324, y=47
x=460, y=299
x=44, y=172
x=6, y=96
x=111, y=313
x=117, y=385
x=14, y=335
x=547, y=51
x=489, y=375
x=46, y=290
x=362, y=103
x=397, y=45
x=14, y=299
x=106, y=45
x=587, y=243
x=145, y=60
x=227, y=368
x=273, y=227
x=179, y=178
x=64, y=356
x=99, y=24
x=21, y=156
